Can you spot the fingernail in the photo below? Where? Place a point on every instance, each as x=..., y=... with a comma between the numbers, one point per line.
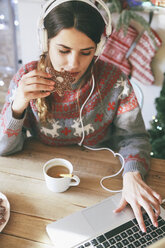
x=47, y=93
x=143, y=229
x=51, y=87
x=156, y=224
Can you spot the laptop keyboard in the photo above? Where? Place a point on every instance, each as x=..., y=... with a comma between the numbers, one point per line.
x=129, y=235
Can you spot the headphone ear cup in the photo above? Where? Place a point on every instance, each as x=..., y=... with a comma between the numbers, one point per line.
x=44, y=40
x=101, y=45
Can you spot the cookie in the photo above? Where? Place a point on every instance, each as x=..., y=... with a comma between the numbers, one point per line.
x=63, y=80
x=2, y=212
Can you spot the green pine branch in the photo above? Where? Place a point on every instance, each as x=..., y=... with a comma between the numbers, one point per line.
x=115, y=6
x=157, y=130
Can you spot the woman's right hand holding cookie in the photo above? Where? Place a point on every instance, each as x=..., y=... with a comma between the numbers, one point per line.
x=33, y=85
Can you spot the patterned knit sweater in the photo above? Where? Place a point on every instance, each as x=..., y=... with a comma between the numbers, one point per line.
x=111, y=118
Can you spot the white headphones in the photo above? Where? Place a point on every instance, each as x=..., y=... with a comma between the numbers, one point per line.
x=51, y=4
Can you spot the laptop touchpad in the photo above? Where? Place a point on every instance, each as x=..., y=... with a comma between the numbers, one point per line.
x=101, y=216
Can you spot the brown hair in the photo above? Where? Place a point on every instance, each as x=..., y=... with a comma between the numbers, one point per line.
x=44, y=104
x=75, y=14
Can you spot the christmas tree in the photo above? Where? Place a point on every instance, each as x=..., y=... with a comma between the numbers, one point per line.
x=157, y=131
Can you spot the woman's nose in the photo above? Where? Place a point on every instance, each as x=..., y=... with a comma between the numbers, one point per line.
x=73, y=61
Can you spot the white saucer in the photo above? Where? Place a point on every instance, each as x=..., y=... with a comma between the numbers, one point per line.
x=6, y=204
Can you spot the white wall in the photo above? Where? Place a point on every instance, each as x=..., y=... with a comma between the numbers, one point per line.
x=28, y=12
x=28, y=15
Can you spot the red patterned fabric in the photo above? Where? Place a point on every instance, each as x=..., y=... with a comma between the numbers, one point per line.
x=141, y=58
x=10, y=132
x=128, y=104
x=138, y=65
x=117, y=47
x=137, y=157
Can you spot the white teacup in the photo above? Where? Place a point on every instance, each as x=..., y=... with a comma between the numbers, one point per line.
x=58, y=175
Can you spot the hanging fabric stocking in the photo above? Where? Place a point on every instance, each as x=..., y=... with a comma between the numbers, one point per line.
x=117, y=47
x=141, y=57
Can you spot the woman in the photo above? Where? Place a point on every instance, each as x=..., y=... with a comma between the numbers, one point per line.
x=98, y=109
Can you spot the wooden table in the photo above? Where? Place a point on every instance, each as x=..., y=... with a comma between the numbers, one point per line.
x=33, y=206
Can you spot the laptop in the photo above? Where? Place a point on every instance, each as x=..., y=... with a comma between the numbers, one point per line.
x=98, y=227
x=159, y=244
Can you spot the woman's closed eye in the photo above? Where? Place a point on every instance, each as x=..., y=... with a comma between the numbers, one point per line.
x=64, y=51
x=87, y=53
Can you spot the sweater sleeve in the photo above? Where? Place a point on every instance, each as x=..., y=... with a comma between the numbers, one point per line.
x=12, y=134
x=13, y=131
x=130, y=137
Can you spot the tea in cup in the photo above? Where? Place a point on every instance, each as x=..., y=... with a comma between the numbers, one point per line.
x=58, y=175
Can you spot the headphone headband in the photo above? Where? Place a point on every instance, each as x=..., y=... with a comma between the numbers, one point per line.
x=51, y=4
